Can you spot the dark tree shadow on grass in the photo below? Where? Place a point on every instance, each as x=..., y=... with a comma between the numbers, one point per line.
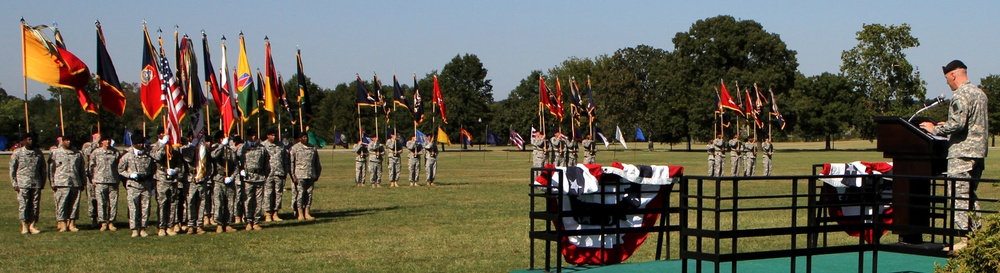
x=326, y=216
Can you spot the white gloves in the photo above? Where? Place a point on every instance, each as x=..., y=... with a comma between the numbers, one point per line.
x=165, y=139
x=137, y=152
x=112, y=143
x=133, y=176
x=228, y=180
x=243, y=173
x=172, y=172
x=225, y=141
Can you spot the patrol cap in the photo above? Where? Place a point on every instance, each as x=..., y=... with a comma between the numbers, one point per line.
x=956, y=64
x=302, y=134
x=32, y=135
x=251, y=134
x=271, y=132
x=138, y=138
x=105, y=136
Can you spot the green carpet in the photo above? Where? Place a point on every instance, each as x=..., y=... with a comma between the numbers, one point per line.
x=888, y=262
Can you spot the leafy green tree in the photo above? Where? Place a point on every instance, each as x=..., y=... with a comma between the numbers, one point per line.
x=520, y=110
x=723, y=48
x=824, y=106
x=991, y=86
x=628, y=87
x=879, y=70
x=467, y=94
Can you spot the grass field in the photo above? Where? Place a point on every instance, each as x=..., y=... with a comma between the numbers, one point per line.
x=474, y=221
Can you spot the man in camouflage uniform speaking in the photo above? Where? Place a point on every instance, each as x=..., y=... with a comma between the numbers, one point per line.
x=27, y=176
x=68, y=172
x=967, y=129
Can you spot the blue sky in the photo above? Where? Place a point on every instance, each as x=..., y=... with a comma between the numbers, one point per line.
x=341, y=38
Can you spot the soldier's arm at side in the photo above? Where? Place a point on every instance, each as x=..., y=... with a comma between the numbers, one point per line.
x=14, y=158
x=319, y=167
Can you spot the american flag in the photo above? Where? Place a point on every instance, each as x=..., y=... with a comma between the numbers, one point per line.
x=516, y=139
x=174, y=98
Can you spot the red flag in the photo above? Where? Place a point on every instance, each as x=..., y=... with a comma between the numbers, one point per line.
x=112, y=97
x=221, y=98
x=750, y=110
x=727, y=101
x=438, y=99
x=558, y=100
x=150, y=92
x=543, y=93
x=76, y=74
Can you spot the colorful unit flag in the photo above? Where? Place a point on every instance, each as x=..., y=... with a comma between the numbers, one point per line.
x=775, y=112
x=364, y=98
x=465, y=136
x=397, y=94
x=187, y=72
x=439, y=100
x=727, y=101
x=638, y=135
x=418, y=104
x=150, y=91
x=304, y=103
x=220, y=93
x=442, y=137
x=52, y=64
x=246, y=95
x=112, y=98
x=271, y=83
x=492, y=138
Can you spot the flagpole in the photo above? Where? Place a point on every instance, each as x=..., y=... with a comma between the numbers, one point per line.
x=358, y=107
x=62, y=127
x=24, y=70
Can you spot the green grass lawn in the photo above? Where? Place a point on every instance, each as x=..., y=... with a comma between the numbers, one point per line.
x=474, y=221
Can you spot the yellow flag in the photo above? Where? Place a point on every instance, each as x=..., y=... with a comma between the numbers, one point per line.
x=442, y=137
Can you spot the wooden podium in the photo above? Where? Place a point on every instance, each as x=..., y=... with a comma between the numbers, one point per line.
x=917, y=153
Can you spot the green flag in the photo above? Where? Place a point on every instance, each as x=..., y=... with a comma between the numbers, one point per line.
x=316, y=140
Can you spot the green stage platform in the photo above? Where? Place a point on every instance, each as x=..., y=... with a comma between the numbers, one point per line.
x=888, y=262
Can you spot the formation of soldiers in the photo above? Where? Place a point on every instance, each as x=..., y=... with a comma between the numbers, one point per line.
x=741, y=154
x=369, y=158
x=199, y=182
x=561, y=150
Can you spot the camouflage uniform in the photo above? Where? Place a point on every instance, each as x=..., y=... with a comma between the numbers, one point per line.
x=224, y=194
x=361, y=150
x=306, y=169
x=67, y=172
x=768, y=150
x=275, y=183
x=375, y=153
x=719, y=153
x=556, y=152
x=431, y=165
x=413, y=160
x=256, y=166
x=538, y=153
x=86, y=149
x=394, y=147
x=735, y=155
x=200, y=189
x=27, y=175
x=573, y=149
x=749, y=158
x=138, y=169
x=103, y=168
x=589, y=151
x=968, y=131
x=166, y=183
x=711, y=159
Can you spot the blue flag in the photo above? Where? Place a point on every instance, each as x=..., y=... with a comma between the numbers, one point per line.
x=365, y=139
x=128, y=138
x=638, y=135
x=3, y=143
x=492, y=138
x=421, y=137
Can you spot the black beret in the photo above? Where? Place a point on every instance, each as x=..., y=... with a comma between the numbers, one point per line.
x=302, y=134
x=271, y=132
x=32, y=135
x=105, y=136
x=218, y=135
x=138, y=138
x=956, y=64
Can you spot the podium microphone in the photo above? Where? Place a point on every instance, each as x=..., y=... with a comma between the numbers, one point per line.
x=937, y=101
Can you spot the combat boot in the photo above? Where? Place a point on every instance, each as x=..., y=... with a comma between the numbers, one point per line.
x=111, y=226
x=104, y=226
x=142, y=232
x=171, y=232
x=218, y=229
x=135, y=233
x=267, y=216
x=190, y=231
x=257, y=227
x=431, y=184
x=249, y=227
x=308, y=216
x=394, y=185
x=199, y=230
x=32, y=229
x=24, y=227
x=161, y=232
x=274, y=216
x=230, y=229
x=299, y=212
x=61, y=226
x=71, y=226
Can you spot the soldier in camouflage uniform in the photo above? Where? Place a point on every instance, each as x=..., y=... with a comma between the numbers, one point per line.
x=967, y=129
x=430, y=157
x=104, y=175
x=67, y=173
x=256, y=168
x=540, y=148
x=239, y=200
x=224, y=182
x=138, y=169
x=413, y=159
x=589, y=150
x=27, y=176
x=85, y=150
x=360, y=162
x=711, y=158
x=200, y=189
x=749, y=157
x=393, y=147
x=275, y=183
x=572, y=150
x=375, y=153
x=555, y=144
x=559, y=144
x=306, y=169
x=735, y=148
x=169, y=168
x=768, y=150
x=719, y=154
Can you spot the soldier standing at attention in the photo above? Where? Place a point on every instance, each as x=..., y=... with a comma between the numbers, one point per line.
x=554, y=153
x=711, y=158
x=256, y=168
x=68, y=172
x=413, y=159
x=239, y=199
x=394, y=147
x=540, y=148
x=375, y=153
x=103, y=168
x=200, y=188
x=768, y=150
x=138, y=169
x=967, y=129
x=750, y=156
x=27, y=176
x=85, y=150
x=306, y=169
x=360, y=161
x=735, y=154
x=589, y=150
x=431, y=165
x=719, y=154
x=572, y=148
x=275, y=183
x=166, y=182
x=224, y=184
